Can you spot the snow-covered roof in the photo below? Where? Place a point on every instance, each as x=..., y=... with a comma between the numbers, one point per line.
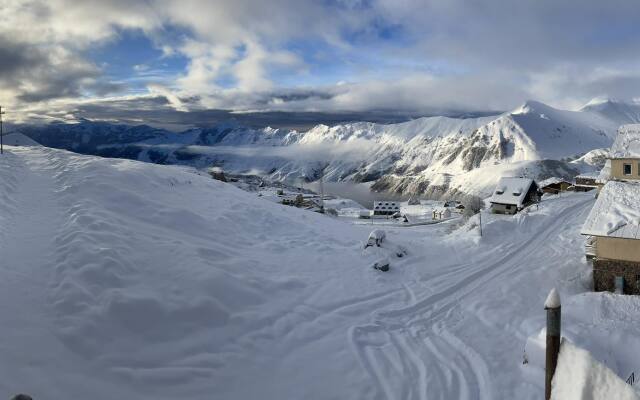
x=627, y=143
x=551, y=181
x=511, y=191
x=605, y=173
x=616, y=212
x=588, y=175
x=579, y=376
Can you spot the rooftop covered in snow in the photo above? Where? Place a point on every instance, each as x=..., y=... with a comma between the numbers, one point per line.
x=511, y=191
x=589, y=175
x=551, y=181
x=616, y=212
x=627, y=143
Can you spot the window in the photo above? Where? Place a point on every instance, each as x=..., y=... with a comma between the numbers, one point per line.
x=508, y=207
x=639, y=168
x=626, y=169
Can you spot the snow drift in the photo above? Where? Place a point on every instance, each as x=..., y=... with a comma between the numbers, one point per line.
x=580, y=377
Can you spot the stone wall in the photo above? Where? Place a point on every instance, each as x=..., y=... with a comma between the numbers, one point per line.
x=605, y=271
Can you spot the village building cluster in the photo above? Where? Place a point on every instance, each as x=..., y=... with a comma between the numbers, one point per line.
x=612, y=228
x=613, y=225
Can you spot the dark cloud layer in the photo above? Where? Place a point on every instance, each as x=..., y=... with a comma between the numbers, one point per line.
x=158, y=112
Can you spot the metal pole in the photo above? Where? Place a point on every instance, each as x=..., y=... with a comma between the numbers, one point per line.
x=480, y=213
x=1, y=134
x=553, y=307
x=322, y=191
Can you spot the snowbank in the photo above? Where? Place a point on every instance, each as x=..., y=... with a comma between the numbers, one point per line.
x=18, y=139
x=627, y=143
x=580, y=377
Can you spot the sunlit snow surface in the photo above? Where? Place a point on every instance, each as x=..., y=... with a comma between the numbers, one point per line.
x=122, y=279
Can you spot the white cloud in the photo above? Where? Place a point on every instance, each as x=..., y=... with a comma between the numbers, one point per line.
x=450, y=54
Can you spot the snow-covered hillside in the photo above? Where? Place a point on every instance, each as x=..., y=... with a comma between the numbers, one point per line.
x=433, y=157
x=128, y=280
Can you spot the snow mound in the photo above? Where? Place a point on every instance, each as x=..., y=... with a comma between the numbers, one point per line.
x=605, y=173
x=18, y=139
x=580, y=377
x=627, y=143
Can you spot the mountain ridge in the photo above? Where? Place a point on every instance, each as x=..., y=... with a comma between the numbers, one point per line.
x=431, y=156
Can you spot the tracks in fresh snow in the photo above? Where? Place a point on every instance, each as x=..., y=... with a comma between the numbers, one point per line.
x=411, y=352
x=30, y=348
x=26, y=249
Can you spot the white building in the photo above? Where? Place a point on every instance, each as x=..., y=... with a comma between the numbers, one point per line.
x=386, y=207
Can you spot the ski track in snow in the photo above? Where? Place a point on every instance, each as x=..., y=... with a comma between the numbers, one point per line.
x=410, y=352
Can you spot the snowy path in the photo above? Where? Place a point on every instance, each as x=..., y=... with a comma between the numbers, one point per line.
x=411, y=353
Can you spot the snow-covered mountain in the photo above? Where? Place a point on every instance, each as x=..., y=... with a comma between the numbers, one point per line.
x=431, y=156
x=614, y=110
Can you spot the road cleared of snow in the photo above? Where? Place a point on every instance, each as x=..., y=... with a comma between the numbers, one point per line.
x=122, y=279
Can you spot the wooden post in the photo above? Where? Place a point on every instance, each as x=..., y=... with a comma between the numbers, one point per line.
x=553, y=307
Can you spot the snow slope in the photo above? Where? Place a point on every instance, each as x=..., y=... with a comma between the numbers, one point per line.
x=614, y=110
x=123, y=279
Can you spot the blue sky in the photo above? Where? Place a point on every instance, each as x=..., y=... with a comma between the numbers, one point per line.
x=419, y=56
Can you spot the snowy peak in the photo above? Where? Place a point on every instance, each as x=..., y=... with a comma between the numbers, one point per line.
x=533, y=107
x=620, y=112
x=599, y=101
